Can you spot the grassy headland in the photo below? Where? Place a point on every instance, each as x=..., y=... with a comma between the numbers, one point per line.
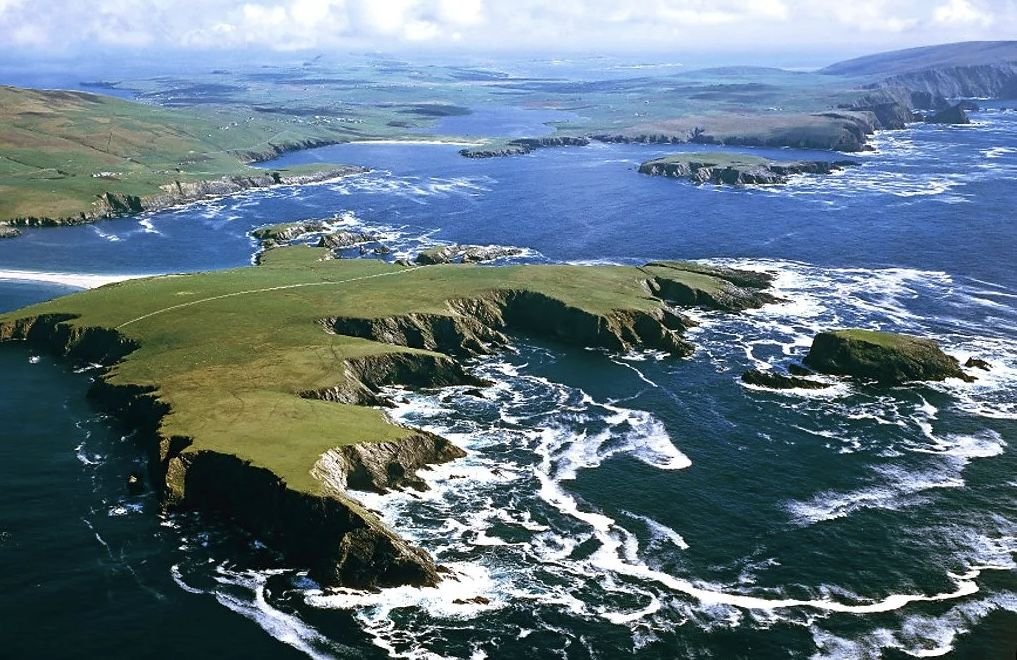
x=62, y=153
x=256, y=384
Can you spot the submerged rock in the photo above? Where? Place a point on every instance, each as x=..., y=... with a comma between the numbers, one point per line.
x=781, y=381
x=881, y=356
x=9, y=232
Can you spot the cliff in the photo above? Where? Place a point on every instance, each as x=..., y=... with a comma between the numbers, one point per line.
x=253, y=390
x=976, y=69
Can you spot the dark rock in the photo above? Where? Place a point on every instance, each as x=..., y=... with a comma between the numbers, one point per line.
x=952, y=115
x=135, y=483
x=977, y=363
x=799, y=370
x=881, y=356
x=479, y=600
x=780, y=381
x=478, y=394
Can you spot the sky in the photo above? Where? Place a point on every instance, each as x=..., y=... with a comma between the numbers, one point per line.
x=651, y=27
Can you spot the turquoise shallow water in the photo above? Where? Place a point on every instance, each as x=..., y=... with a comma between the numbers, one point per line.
x=610, y=505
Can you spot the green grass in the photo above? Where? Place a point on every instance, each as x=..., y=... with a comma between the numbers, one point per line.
x=712, y=159
x=231, y=357
x=56, y=146
x=890, y=340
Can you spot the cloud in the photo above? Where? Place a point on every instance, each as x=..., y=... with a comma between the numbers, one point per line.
x=961, y=12
x=589, y=26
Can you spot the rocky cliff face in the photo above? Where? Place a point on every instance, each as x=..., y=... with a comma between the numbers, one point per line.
x=381, y=466
x=996, y=81
x=473, y=327
x=340, y=541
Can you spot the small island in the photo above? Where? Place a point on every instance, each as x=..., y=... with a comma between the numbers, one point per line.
x=736, y=169
x=258, y=392
x=885, y=357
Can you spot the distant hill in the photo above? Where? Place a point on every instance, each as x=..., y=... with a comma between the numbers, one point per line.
x=986, y=69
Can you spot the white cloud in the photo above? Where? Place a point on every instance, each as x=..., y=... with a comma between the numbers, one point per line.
x=961, y=12
x=588, y=26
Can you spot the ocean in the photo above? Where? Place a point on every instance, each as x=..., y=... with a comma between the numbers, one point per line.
x=610, y=505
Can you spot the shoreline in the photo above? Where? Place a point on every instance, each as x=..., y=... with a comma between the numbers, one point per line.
x=76, y=280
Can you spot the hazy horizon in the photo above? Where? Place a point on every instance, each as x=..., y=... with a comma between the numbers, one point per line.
x=788, y=33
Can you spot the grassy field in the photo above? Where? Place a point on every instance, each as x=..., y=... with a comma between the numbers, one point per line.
x=231, y=351
x=60, y=150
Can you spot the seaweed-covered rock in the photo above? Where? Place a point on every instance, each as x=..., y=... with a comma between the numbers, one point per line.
x=881, y=356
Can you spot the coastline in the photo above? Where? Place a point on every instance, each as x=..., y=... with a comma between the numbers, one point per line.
x=77, y=280
x=178, y=195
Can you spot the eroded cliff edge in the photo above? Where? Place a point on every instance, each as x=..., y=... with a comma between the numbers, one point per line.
x=253, y=397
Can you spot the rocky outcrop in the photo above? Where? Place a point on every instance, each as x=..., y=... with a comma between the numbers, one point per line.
x=381, y=466
x=341, y=240
x=732, y=291
x=9, y=232
x=748, y=279
x=779, y=381
x=993, y=81
x=718, y=172
x=337, y=539
x=288, y=232
x=524, y=146
x=448, y=254
x=114, y=204
x=955, y=114
x=977, y=363
x=881, y=356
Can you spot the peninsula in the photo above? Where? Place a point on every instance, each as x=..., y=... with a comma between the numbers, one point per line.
x=256, y=391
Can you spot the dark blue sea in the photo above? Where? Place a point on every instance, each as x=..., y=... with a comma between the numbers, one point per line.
x=611, y=505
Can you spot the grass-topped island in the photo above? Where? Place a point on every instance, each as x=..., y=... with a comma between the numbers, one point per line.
x=256, y=391
x=736, y=169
